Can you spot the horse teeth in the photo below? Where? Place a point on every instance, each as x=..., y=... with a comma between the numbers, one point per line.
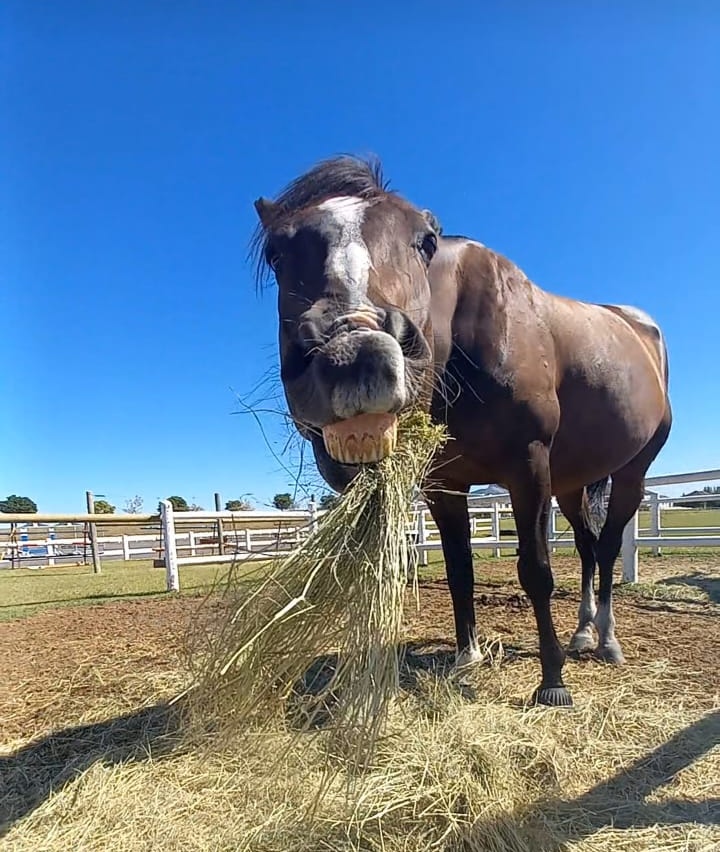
x=369, y=449
x=363, y=446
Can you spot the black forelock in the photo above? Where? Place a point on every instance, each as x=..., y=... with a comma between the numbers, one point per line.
x=337, y=176
x=344, y=175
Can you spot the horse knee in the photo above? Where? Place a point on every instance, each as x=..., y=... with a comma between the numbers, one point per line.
x=536, y=579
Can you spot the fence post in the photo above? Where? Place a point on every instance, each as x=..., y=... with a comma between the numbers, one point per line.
x=167, y=522
x=630, y=550
x=51, y=546
x=312, y=506
x=220, y=530
x=422, y=537
x=92, y=533
x=655, y=521
x=193, y=549
x=495, y=527
x=126, y=547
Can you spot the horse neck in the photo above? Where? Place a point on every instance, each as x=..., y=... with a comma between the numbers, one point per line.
x=475, y=292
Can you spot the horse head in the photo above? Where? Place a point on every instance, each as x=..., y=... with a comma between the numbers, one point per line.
x=351, y=263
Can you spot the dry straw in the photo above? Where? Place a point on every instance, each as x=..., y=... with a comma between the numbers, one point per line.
x=630, y=769
x=316, y=637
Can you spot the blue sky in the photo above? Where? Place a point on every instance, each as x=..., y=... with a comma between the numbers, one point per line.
x=579, y=139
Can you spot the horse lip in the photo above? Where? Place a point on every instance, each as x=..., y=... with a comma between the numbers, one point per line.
x=363, y=439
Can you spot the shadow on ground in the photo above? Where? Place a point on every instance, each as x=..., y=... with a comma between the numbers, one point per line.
x=30, y=775
x=709, y=585
x=47, y=765
x=619, y=802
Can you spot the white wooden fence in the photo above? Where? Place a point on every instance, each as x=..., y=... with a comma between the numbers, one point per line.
x=262, y=535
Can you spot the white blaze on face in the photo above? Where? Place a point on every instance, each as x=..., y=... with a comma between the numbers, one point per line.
x=348, y=260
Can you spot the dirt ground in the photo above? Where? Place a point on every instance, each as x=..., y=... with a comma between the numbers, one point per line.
x=57, y=663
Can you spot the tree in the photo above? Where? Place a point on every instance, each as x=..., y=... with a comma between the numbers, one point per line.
x=283, y=501
x=15, y=504
x=179, y=504
x=134, y=505
x=329, y=501
x=102, y=507
x=240, y=505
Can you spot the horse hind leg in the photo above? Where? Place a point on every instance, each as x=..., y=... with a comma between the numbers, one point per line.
x=625, y=498
x=628, y=488
x=571, y=505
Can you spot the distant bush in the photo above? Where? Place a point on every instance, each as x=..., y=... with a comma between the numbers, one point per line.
x=238, y=506
x=15, y=504
x=179, y=504
x=283, y=501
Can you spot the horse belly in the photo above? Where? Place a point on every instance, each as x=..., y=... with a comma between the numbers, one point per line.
x=604, y=425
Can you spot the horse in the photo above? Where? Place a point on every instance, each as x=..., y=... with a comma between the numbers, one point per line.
x=379, y=312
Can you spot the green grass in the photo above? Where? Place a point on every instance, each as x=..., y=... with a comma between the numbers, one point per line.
x=668, y=519
x=25, y=592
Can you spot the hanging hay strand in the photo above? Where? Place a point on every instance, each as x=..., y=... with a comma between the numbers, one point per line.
x=317, y=635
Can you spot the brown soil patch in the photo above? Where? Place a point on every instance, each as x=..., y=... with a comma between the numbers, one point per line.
x=56, y=664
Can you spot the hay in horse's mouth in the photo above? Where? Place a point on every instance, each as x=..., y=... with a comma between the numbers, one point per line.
x=340, y=593
x=362, y=439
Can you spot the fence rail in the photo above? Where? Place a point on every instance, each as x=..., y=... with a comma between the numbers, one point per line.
x=262, y=535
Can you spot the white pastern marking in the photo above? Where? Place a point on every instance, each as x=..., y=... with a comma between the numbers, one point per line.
x=348, y=260
x=605, y=623
x=470, y=655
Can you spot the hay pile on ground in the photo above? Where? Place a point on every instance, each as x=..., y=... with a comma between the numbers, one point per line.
x=461, y=768
x=322, y=626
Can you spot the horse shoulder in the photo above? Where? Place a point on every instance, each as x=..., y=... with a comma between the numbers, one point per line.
x=456, y=277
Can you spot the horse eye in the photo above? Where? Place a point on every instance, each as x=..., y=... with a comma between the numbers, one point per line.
x=428, y=247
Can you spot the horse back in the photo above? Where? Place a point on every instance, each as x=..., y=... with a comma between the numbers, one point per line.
x=648, y=330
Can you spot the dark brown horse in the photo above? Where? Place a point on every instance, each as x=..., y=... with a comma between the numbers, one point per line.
x=543, y=394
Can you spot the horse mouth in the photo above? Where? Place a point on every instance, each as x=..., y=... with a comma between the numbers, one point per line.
x=362, y=439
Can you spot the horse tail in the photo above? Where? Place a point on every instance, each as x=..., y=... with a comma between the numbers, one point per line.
x=593, y=507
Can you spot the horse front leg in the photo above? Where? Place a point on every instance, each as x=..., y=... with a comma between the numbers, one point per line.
x=450, y=513
x=530, y=493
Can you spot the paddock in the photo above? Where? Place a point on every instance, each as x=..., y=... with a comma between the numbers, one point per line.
x=90, y=759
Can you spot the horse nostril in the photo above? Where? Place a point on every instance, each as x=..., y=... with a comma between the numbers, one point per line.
x=407, y=334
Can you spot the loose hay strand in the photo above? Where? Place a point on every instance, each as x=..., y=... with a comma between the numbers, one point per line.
x=317, y=637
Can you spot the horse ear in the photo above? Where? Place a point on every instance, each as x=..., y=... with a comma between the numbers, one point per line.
x=433, y=221
x=267, y=211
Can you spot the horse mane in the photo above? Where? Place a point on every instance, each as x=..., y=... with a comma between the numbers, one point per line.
x=337, y=176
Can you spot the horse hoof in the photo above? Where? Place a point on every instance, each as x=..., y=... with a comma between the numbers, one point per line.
x=581, y=643
x=468, y=657
x=552, y=696
x=610, y=653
